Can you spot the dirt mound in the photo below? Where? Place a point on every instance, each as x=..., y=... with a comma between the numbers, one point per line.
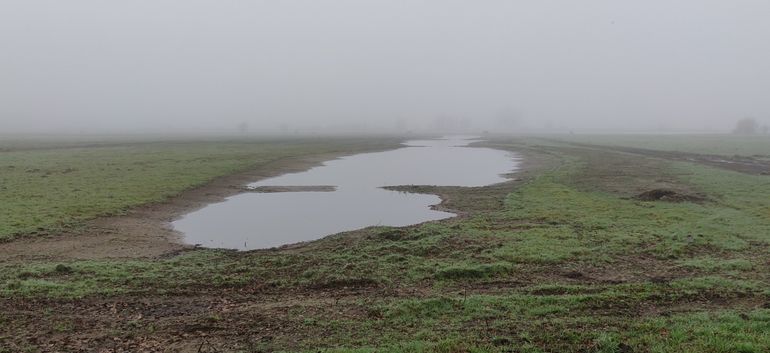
x=669, y=196
x=292, y=188
x=394, y=234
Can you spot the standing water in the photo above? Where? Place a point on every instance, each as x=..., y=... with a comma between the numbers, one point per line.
x=257, y=220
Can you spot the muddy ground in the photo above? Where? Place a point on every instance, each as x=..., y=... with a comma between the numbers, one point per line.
x=145, y=232
x=257, y=317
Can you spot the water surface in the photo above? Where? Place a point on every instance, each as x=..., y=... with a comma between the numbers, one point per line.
x=263, y=220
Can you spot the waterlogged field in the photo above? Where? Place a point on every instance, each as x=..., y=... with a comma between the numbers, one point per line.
x=568, y=258
x=358, y=198
x=55, y=185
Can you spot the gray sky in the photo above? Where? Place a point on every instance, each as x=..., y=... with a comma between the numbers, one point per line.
x=135, y=65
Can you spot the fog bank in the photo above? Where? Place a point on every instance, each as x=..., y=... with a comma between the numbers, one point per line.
x=344, y=65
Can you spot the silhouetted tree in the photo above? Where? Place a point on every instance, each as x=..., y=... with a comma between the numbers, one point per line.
x=746, y=126
x=243, y=127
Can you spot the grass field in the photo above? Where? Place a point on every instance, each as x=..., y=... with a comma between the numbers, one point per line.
x=61, y=183
x=563, y=260
x=717, y=144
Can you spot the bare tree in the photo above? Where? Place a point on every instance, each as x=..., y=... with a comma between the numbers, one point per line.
x=746, y=126
x=243, y=127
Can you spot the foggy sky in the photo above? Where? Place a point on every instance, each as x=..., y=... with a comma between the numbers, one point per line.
x=194, y=65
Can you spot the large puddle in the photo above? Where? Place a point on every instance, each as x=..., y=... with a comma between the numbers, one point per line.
x=351, y=196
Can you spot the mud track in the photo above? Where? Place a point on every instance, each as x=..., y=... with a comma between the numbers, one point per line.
x=742, y=164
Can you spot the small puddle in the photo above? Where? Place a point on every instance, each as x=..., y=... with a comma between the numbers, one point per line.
x=345, y=194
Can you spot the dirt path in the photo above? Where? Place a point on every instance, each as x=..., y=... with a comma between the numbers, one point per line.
x=235, y=320
x=145, y=231
x=742, y=164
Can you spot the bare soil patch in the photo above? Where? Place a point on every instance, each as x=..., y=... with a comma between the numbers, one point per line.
x=669, y=195
x=299, y=188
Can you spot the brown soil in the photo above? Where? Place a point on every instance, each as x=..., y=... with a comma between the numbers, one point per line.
x=669, y=195
x=260, y=319
x=303, y=188
x=145, y=231
x=256, y=316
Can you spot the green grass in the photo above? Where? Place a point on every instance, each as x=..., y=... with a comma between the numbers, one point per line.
x=712, y=264
x=46, y=190
x=708, y=332
x=564, y=262
x=84, y=278
x=573, y=223
x=716, y=144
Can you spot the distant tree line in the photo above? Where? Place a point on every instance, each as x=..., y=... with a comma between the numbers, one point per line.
x=750, y=126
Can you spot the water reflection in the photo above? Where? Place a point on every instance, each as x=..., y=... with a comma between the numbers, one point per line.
x=263, y=220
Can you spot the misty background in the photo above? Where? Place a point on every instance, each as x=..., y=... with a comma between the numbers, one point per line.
x=289, y=66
